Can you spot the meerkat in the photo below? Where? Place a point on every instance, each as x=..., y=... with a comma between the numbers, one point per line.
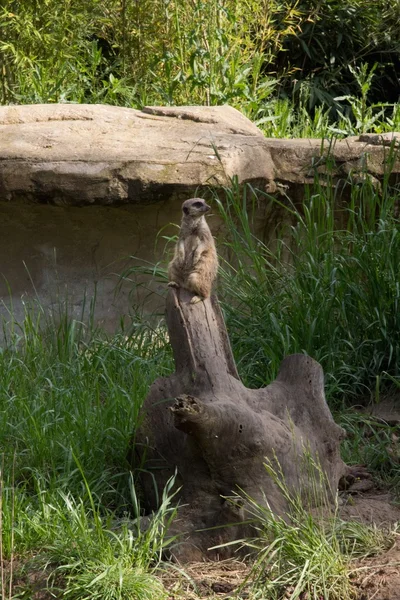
x=195, y=263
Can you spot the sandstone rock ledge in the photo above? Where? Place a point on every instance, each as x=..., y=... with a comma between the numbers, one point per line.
x=80, y=155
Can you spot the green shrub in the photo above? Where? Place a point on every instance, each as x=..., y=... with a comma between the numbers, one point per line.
x=266, y=58
x=334, y=35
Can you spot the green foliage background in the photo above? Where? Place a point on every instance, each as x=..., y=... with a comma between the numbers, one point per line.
x=244, y=52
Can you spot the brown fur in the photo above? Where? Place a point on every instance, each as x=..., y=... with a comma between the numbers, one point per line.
x=194, y=266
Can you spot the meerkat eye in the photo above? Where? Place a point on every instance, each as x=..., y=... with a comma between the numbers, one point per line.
x=198, y=204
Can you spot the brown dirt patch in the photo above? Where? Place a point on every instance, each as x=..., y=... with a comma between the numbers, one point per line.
x=378, y=577
x=31, y=581
x=374, y=507
x=374, y=578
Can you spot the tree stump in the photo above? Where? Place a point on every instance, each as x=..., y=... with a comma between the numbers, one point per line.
x=204, y=423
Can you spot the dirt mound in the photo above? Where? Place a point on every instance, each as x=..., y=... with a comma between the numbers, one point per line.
x=387, y=410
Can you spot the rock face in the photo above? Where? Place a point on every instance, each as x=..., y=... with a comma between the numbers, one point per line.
x=78, y=155
x=84, y=187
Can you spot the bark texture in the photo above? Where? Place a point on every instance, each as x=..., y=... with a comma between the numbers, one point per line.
x=218, y=434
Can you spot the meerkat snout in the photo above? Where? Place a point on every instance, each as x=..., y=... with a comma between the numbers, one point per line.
x=194, y=266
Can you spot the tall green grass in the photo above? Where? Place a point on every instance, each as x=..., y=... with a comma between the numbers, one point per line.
x=69, y=401
x=328, y=286
x=65, y=390
x=80, y=544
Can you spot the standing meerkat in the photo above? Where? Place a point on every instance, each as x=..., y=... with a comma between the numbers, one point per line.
x=195, y=263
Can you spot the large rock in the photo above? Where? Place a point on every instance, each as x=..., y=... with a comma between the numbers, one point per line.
x=81, y=155
x=84, y=187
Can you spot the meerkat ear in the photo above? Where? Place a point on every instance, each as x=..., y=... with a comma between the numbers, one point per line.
x=185, y=210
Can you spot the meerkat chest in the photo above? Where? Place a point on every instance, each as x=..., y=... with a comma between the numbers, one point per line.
x=192, y=242
x=193, y=236
x=191, y=249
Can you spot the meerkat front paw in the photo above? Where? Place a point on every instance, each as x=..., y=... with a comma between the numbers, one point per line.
x=196, y=299
x=173, y=284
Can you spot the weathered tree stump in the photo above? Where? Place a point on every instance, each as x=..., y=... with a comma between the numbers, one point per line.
x=218, y=434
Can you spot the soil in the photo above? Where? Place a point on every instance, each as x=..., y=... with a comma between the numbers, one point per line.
x=387, y=410
x=374, y=507
x=31, y=580
x=207, y=579
x=378, y=577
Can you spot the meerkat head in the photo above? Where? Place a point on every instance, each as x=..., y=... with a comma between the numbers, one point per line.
x=195, y=208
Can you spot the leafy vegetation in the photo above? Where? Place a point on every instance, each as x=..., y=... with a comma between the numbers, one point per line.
x=333, y=42
x=69, y=403
x=372, y=442
x=63, y=395
x=293, y=66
